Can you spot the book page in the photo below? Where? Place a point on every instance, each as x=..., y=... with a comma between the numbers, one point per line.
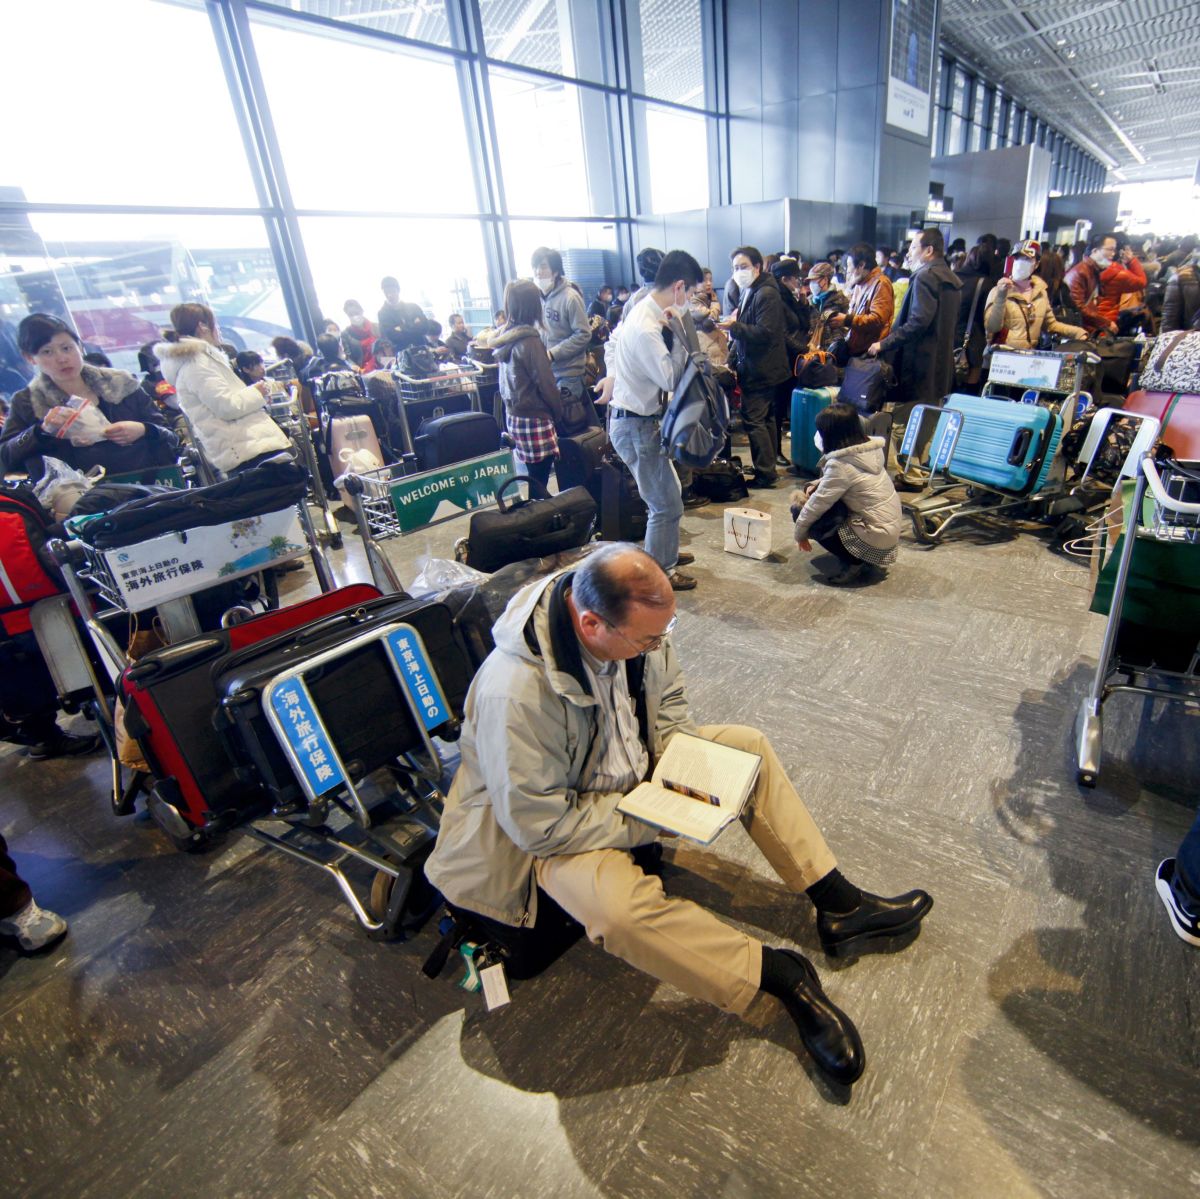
x=677, y=813
x=717, y=770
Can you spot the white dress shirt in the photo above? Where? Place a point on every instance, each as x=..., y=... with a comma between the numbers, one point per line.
x=638, y=359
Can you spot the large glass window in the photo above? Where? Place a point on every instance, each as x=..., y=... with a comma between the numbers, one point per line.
x=116, y=278
x=400, y=144
x=588, y=249
x=549, y=35
x=119, y=103
x=677, y=153
x=670, y=65
x=422, y=20
x=539, y=127
x=440, y=264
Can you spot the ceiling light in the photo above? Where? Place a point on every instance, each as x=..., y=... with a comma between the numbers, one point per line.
x=1100, y=92
x=1062, y=41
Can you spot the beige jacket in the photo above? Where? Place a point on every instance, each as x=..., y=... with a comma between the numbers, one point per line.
x=856, y=475
x=1025, y=315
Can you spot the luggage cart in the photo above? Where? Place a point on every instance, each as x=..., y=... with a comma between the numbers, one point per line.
x=377, y=516
x=1012, y=463
x=455, y=388
x=1164, y=519
x=287, y=411
x=162, y=574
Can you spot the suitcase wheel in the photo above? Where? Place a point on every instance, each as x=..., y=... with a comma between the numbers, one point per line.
x=927, y=529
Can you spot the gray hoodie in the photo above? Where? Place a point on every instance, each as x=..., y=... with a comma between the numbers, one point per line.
x=530, y=722
x=568, y=331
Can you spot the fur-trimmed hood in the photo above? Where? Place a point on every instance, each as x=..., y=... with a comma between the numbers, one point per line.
x=110, y=385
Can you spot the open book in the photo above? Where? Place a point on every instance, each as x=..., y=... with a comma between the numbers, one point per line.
x=698, y=787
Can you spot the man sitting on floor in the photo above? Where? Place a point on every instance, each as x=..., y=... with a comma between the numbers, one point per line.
x=566, y=716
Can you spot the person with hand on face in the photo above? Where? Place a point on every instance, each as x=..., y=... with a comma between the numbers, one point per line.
x=642, y=367
x=1018, y=307
x=828, y=302
x=1097, y=283
x=758, y=329
x=136, y=438
x=566, y=716
x=226, y=414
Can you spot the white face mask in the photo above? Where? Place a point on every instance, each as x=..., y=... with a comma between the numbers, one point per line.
x=1102, y=260
x=819, y=442
x=743, y=277
x=358, y=321
x=1022, y=269
x=545, y=286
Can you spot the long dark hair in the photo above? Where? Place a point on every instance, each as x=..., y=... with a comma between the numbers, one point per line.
x=523, y=303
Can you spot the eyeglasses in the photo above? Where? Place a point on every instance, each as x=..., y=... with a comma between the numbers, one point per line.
x=652, y=643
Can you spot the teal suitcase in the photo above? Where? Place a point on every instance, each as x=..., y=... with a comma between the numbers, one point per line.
x=1005, y=445
x=806, y=404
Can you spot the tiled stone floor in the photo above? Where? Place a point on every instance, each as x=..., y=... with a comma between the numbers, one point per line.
x=215, y=1025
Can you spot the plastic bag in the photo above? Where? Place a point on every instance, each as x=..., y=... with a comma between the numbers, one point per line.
x=59, y=489
x=440, y=574
x=85, y=426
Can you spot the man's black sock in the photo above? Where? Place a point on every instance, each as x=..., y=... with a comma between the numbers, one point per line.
x=778, y=972
x=834, y=894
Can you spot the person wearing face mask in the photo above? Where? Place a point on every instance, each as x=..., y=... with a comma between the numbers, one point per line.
x=358, y=337
x=922, y=339
x=872, y=302
x=567, y=332
x=759, y=332
x=1096, y=288
x=852, y=510
x=642, y=368
x=1018, y=308
x=829, y=303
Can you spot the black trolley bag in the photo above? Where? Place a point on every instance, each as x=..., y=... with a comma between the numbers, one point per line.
x=198, y=788
x=455, y=437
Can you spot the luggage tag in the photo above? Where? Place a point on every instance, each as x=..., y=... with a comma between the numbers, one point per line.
x=484, y=974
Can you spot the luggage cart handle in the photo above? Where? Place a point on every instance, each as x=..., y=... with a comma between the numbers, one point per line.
x=1161, y=497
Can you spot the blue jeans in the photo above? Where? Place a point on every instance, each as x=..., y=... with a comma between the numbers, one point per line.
x=636, y=439
x=1187, y=863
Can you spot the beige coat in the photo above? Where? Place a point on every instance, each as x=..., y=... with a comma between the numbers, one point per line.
x=1025, y=315
x=856, y=475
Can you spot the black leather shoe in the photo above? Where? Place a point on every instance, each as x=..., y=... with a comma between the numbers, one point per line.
x=828, y=1033
x=875, y=918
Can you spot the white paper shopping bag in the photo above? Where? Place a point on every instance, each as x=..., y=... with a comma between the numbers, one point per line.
x=747, y=532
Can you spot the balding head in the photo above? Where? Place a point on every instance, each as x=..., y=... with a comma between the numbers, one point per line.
x=621, y=602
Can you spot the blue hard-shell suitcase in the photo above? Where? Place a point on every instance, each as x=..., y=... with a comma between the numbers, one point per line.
x=1003, y=444
x=806, y=403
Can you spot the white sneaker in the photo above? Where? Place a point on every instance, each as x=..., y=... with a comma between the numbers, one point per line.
x=34, y=927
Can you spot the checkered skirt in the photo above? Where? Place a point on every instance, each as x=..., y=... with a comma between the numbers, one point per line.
x=534, y=436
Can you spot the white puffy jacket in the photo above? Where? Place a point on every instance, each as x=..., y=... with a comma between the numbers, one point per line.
x=226, y=414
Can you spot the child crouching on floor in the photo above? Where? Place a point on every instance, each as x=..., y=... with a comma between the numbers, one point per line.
x=852, y=510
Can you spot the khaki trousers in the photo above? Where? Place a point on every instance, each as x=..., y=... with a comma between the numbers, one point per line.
x=628, y=913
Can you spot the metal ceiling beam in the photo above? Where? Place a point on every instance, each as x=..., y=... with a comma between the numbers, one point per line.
x=1104, y=155
x=1035, y=32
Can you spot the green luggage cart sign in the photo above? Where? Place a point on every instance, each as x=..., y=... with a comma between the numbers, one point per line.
x=436, y=495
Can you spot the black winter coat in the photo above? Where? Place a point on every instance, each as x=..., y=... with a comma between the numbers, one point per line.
x=921, y=343
x=1181, y=302
x=760, y=336
x=23, y=443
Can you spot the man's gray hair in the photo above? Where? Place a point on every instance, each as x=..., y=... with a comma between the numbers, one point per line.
x=617, y=576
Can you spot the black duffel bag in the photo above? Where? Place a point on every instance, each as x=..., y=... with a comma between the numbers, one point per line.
x=269, y=487
x=532, y=528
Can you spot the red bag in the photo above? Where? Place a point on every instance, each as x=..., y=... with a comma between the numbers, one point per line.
x=26, y=574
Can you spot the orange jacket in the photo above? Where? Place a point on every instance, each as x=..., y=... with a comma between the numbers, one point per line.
x=872, y=307
x=1118, y=281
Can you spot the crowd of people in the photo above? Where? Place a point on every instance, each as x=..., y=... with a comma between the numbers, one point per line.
x=566, y=365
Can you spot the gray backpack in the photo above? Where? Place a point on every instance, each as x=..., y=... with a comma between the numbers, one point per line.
x=697, y=418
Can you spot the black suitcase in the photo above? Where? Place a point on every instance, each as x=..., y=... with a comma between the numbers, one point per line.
x=364, y=712
x=455, y=438
x=532, y=528
x=722, y=482
x=622, y=510
x=579, y=460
